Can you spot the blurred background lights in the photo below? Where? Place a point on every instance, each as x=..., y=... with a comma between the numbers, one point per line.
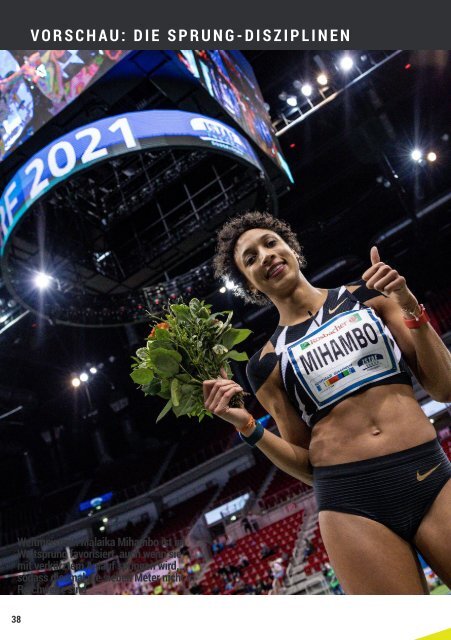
x=416, y=155
x=42, y=280
x=346, y=63
x=432, y=156
x=306, y=90
x=322, y=79
x=84, y=377
x=75, y=382
x=292, y=101
x=230, y=285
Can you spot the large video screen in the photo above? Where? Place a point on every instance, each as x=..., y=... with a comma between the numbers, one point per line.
x=229, y=78
x=36, y=85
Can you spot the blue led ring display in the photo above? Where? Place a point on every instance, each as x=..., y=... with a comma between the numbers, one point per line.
x=103, y=140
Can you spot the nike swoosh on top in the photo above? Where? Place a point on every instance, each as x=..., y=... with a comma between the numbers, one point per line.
x=423, y=476
x=335, y=308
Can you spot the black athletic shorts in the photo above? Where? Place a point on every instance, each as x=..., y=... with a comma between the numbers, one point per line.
x=396, y=490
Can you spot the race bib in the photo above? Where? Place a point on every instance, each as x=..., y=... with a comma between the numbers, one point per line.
x=345, y=353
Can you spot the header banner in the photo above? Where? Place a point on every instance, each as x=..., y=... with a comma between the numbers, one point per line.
x=231, y=25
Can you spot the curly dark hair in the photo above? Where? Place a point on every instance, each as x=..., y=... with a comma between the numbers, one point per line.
x=224, y=261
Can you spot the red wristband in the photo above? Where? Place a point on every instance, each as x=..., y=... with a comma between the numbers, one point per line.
x=416, y=322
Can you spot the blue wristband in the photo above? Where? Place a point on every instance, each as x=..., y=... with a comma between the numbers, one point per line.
x=255, y=436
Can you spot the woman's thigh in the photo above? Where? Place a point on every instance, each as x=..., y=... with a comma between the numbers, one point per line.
x=369, y=558
x=433, y=538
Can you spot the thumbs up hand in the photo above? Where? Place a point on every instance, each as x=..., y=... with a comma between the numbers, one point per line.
x=383, y=278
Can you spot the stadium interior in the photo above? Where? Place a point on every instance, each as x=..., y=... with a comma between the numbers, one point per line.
x=95, y=496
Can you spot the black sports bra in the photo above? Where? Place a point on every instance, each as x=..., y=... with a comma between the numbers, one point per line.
x=344, y=349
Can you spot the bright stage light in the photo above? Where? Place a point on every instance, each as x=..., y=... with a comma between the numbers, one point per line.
x=84, y=377
x=93, y=370
x=230, y=285
x=322, y=79
x=306, y=90
x=42, y=280
x=222, y=290
x=431, y=156
x=416, y=155
x=292, y=101
x=75, y=382
x=346, y=63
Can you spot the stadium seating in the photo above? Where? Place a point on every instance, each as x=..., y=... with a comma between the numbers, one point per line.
x=280, y=536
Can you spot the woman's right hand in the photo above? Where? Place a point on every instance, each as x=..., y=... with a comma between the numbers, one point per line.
x=217, y=395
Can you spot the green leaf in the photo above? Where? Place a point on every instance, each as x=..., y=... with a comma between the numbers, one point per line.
x=161, y=334
x=166, y=362
x=194, y=306
x=153, y=388
x=167, y=407
x=234, y=336
x=185, y=407
x=142, y=353
x=184, y=377
x=180, y=310
x=165, y=389
x=175, y=392
x=142, y=376
x=188, y=389
x=159, y=344
x=237, y=356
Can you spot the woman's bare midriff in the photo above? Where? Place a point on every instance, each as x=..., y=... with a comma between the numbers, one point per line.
x=374, y=423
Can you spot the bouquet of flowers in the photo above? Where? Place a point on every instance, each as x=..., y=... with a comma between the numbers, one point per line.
x=191, y=345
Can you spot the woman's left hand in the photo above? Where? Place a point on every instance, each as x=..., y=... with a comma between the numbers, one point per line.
x=383, y=278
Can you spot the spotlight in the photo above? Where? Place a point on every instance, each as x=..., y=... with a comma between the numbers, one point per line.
x=230, y=285
x=105, y=520
x=322, y=79
x=306, y=90
x=431, y=420
x=416, y=155
x=346, y=63
x=222, y=290
x=431, y=156
x=93, y=370
x=84, y=377
x=292, y=101
x=102, y=528
x=42, y=280
x=75, y=382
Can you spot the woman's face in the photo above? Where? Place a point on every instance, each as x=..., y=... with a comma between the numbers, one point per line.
x=267, y=262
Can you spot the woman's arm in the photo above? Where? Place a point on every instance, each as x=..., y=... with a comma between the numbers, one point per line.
x=288, y=457
x=423, y=349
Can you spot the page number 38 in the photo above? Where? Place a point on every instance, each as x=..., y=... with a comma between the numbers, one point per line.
x=16, y=619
